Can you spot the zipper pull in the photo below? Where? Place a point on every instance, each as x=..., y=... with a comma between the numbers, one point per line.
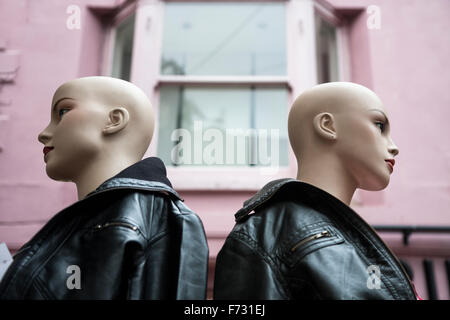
x=122, y=224
x=313, y=237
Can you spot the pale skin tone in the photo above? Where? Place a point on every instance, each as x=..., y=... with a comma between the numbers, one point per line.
x=340, y=134
x=98, y=127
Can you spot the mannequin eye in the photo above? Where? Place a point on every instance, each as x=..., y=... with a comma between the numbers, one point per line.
x=381, y=125
x=62, y=111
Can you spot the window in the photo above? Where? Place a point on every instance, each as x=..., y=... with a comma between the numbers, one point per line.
x=326, y=50
x=123, y=49
x=211, y=67
x=222, y=64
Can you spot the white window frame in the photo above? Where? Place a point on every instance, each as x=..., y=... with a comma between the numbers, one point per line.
x=301, y=75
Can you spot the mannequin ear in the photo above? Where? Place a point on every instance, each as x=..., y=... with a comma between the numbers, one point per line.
x=117, y=120
x=324, y=125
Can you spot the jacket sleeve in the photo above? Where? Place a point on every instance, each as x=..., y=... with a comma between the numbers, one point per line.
x=174, y=264
x=244, y=272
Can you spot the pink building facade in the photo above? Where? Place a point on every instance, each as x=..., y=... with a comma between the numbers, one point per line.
x=236, y=65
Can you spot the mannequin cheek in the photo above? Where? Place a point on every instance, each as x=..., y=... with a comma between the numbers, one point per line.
x=74, y=147
x=71, y=158
x=82, y=132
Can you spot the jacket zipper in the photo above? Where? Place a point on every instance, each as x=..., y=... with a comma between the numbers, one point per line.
x=310, y=238
x=121, y=224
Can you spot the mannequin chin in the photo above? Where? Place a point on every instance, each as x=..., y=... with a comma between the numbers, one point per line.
x=340, y=134
x=372, y=177
x=98, y=127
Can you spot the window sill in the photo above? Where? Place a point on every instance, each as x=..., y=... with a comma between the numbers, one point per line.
x=224, y=80
x=225, y=179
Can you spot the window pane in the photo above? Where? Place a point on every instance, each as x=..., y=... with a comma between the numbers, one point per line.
x=223, y=126
x=327, y=59
x=123, y=49
x=224, y=39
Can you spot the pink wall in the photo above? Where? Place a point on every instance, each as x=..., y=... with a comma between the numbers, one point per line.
x=405, y=62
x=49, y=54
x=411, y=74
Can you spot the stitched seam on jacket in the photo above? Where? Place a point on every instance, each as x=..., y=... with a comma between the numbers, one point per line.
x=36, y=271
x=142, y=259
x=262, y=198
x=360, y=251
x=124, y=183
x=253, y=245
x=157, y=237
x=372, y=240
x=183, y=209
x=386, y=281
x=39, y=290
x=36, y=246
x=45, y=293
x=20, y=267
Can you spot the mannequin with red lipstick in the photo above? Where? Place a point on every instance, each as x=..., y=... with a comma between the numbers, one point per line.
x=87, y=143
x=340, y=134
x=129, y=236
x=299, y=238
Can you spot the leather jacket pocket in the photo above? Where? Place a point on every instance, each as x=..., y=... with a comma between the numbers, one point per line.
x=127, y=225
x=308, y=240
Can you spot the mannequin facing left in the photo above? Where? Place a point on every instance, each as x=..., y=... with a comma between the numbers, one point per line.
x=98, y=127
x=129, y=235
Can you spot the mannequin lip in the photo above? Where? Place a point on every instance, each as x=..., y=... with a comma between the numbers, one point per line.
x=390, y=163
x=47, y=149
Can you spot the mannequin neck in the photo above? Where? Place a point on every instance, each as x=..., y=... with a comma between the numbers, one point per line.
x=327, y=173
x=100, y=170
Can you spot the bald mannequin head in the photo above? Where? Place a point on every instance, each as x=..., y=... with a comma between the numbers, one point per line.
x=339, y=132
x=98, y=127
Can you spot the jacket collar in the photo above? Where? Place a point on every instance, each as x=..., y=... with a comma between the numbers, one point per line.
x=147, y=174
x=303, y=189
x=260, y=197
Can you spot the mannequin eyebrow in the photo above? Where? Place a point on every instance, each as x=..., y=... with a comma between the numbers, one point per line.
x=387, y=120
x=56, y=103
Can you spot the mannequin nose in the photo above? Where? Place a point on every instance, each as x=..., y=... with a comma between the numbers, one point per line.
x=393, y=149
x=44, y=136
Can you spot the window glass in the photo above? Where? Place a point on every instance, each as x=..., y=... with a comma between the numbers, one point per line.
x=224, y=125
x=326, y=50
x=123, y=49
x=230, y=38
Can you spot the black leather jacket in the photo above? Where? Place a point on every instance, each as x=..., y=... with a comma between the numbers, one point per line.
x=132, y=238
x=295, y=241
